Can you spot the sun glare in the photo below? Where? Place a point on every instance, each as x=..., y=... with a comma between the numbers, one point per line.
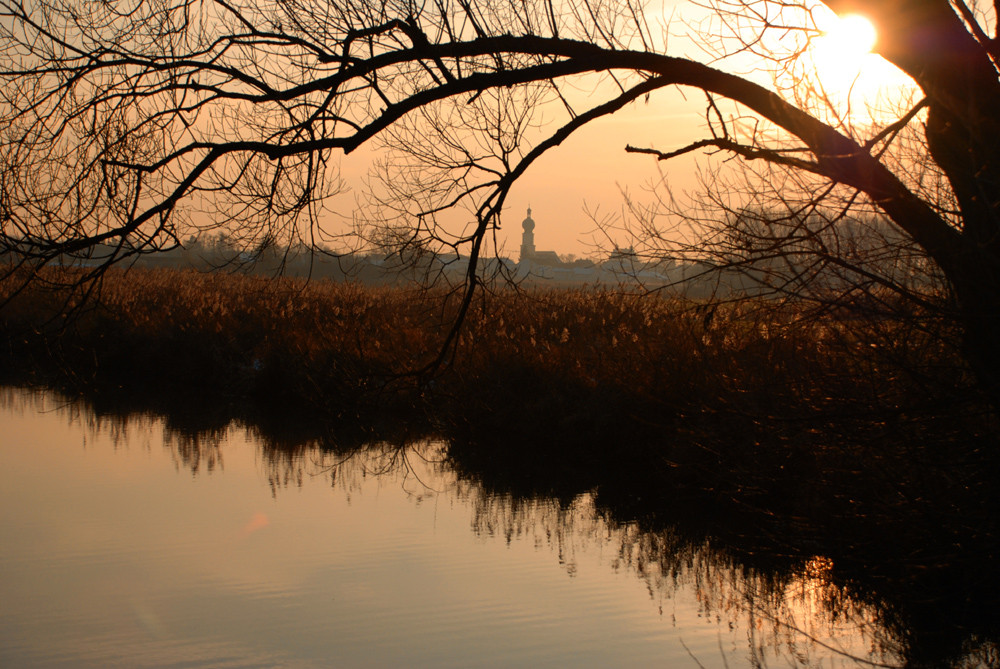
x=852, y=35
x=843, y=59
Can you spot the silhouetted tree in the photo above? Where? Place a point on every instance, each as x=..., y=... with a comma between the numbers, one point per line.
x=121, y=119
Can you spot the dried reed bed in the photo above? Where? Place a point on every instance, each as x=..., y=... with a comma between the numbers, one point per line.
x=674, y=360
x=558, y=361
x=282, y=343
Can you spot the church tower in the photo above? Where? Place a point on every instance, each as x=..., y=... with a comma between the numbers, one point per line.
x=528, y=238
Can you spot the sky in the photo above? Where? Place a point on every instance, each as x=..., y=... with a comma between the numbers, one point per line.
x=585, y=173
x=589, y=171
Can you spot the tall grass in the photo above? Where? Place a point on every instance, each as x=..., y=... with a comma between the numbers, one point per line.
x=233, y=336
x=546, y=358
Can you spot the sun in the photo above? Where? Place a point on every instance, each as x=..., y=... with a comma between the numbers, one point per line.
x=843, y=61
x=851, y=36
x=842, y=50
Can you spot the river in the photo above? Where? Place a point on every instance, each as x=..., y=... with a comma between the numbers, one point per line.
x=126, y=542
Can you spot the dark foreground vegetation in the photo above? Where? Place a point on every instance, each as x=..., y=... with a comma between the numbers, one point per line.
x=771, y=436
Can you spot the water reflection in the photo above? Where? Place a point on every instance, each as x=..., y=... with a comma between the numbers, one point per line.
x=730, y=589
x=800, y=618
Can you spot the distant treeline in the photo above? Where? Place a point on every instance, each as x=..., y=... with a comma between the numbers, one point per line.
x=221, y=253
x=788, y=256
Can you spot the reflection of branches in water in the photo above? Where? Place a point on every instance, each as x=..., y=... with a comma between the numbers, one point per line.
x=809, y=613
x=194, y=451
x=418, y=465
x=792, y=616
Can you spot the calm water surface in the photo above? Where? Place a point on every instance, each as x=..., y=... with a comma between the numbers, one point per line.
x=122, y=544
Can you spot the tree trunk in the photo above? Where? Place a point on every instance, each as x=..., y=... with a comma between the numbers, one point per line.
x=977, y=290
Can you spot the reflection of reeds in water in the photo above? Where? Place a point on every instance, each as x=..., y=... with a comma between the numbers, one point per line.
x=795, y=613
x=790, y=609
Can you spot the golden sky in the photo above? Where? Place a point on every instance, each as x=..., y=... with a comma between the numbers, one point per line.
x=589, y=171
